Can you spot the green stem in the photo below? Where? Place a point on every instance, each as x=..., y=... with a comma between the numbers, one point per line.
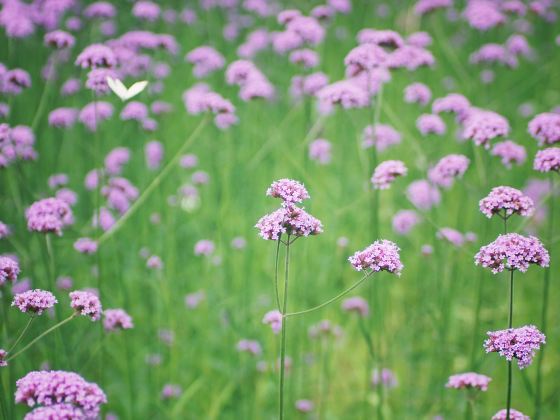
x=331, y=300
x=13, y=346
x=510, y=323
x=51, y=329
x=283, y=347
x=544, y=310
x=154, y=184
x=276, y=272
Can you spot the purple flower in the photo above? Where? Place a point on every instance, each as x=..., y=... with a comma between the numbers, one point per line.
x=547, y=160
x=386, y=172
x=154, y=154
x=417, y=93
x=97, y=80
x=94, y=113
x=3, y=357
x=356, y=304
x=364, y=58
x=274, y=319
x=320, y=151
x=171, y=391
x=116, y=319
x=447, y=169
x=513, y=415
x=96, y=55
x=64, y=282
x=86, y=303
x=382, y=38
x=55, y=411
x=85, y=246
x=192, y=300
x=60, y=391
x=100, y=10
x=59, y=39
x=305, y=57
x=249, y=346
x=430, y=124
x=505, y=201
x=483, y=14
x=386, y=379
x=512, y=252
x=344, y=93
x=493, y=53
x=49, y=215
x=188, y=161
x=451, y=235
x=382, y=255
x=120, y=194
x=116, y=159
x=290, y=220
x=516, y=343
x=288, y=190
x=404, y=221
x=304, y=406
x=63, y=117
x=34, y=301
x=423, y=195
x=454, y=103
x=206, y=60
x=204, y=247
x=483, y=126
x=510, y=152
x=161, y=107
x=154, y=262
x=134, y=110
x=468, y=380
x=382, y=137
x=419, y=39
x=146, y=10
x=14, y=81
x=545, y=128
x=70, y=87
x=423, y=7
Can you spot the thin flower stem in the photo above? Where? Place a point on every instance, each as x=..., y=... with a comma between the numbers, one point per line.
x=13, y=346
x=322, y=305
x=154, y=184
x=510, y=323
x=276, y=272
x=42, y=101
x=51, y=329
x=367, y=337
x=283, y=346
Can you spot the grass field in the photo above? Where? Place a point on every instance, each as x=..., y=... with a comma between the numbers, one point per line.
x=425, y=325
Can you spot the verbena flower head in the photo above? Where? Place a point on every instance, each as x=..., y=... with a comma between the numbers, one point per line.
x=482, y=126
x=171, y=391
x=61, y=391
x=288, y=219
x=382, y=255
x=423, y=195
x=344, y=93
x=469, y=380
x=96, y=55
x=204, y=247
x=85, y=246
x=356, y=304
x=386, y=172
x=547, y=160
x=513, y=415
x=382, y=136
x=430, y=124
x=205, y=60
x=417, y=93
x=423, y=7
x=386, y=378
x=5, y=230
x=545, y=128
x=304, y=406
x=56, y=411
x=510, y=152
x=49, y=215
x=116, y=319
x=34, y=301
x=86, y=303
x=288, y=190
x=447, y=169
x=506, y=201
x=516, y=343
x=451, y=235
x=512, y=252
x=59, y=39
x=404, y=221
x=274, y=319
x=252, y=347
x=454, y=103
x=320, y=151
x=9, y=269
x=63, y=117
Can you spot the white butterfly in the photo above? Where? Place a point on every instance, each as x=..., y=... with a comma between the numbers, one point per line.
x=121, y=90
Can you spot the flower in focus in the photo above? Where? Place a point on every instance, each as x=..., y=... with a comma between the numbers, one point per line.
x=506, y=201
x=288, y=219
x=516, y=343
x=86, y=303
x=49, y=215
x=547, y=160
x=545, y=128
x=380, y=256
x=513, y=415
x=512, y=252
x=288, y=190
x=34, y=301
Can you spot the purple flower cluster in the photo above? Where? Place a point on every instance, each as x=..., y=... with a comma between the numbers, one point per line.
x=252, y=347
x=382, y=136
x=417, y=93
x=545, y=128
x=513, y=415
x=288, y=190
x=430, y=124
x=199, y=99
x=94, y=113
x=34, y=301
x=454, y=103
x=512, y=252
x=116, y=319
x=63, y=392
x=320, y=151
x=382, y=255
x=451, y=235
x=204, y=247
x=386, y=172
x=85, y=246
x=404, y=221
x=288, y=219
x=86, y=303
x=63, y=117
x=547, y=160
x=356, y=304
x=9, y=269
x=120, y=193
x=423, y=195
x=16, y=143
x=250, y=79
x=506, y=201
x=468, y=380
x=96, y=55
x=510, y=152
x=49, y=215
x=205, y=60
x=447, y=169
x=482, y=126
x=274, y=319
x=516, y=343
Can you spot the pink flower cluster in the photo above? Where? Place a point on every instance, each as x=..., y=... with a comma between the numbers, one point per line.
x=116, y=319
x=404, y=221
x=506, y=201
x=447, y=169
x=547, y=160
x=382, y=136
x=34, y=301
x=356, y=304
x=386, y=172
x=512, y=252
x=59, y=392
x=9, y=269
x=545, y=128
x=86, y=303
x=417, y=93
x=430, y=124
x=205, y=60
x=290, y=191
x=250, y=79
x=274, y=319
x=382, y=255
x=516, y=343
x=468, y=380
x=482, y=126
x=288, y=219
x=513, y=415
x=49, y=215
x=510, y=152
